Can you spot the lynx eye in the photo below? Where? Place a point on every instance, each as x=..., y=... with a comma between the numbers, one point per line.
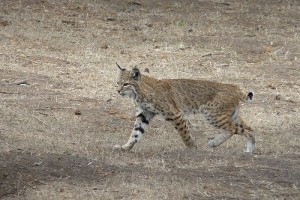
x=125, y=84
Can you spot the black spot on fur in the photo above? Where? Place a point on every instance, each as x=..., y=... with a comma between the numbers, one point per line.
x=139, y=129
x=143, y=118
x=218, y=121
x=177, y=117
x=236, y=131
x=222, y=125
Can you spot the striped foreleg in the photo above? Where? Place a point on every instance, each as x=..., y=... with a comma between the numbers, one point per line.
x=140, y=126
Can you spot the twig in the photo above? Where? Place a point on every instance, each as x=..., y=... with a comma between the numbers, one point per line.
x=3, y=92
x=136, y=3
x=207, y=54
x=21, y=82
x=41, y=121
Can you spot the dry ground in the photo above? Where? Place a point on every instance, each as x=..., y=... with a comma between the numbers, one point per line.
x=60, y=115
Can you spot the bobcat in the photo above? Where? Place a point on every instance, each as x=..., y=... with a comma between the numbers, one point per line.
x=174, y=98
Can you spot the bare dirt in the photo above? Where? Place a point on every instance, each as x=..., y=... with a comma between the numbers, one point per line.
x=60, y=114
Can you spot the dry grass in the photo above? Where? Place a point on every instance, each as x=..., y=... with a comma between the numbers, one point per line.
x=66, y=50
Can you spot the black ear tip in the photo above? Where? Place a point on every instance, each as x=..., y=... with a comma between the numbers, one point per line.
x=136, y=70
x=136, y=73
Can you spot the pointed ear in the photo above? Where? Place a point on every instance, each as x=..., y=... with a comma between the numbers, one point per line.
x=122, y=69
x=135, y=73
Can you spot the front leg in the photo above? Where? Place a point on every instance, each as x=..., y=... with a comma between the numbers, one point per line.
x=181, y=126
x=140, y=125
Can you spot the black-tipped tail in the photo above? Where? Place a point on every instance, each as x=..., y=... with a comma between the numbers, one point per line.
x=250, y=96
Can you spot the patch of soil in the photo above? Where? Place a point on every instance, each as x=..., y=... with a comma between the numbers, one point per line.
x=60, y=117
x=22, y=169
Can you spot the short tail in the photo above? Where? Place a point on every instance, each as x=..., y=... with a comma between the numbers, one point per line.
x=246, y=97
x=249, y=96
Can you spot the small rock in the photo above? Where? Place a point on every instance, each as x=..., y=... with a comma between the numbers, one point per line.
x=37, y=163
x=77, y=112
x=4, y=23
x=278, y=97
x=226, y=4
x=60, y=190
x=105, y=46
x=149, y=25
x=290, y=100
x=110, y=19
x=136, y=28
x=69, y=22
x=271, y=87
x=4, y=80
x=136, y=3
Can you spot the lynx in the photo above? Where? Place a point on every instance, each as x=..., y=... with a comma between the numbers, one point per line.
x=174, y=98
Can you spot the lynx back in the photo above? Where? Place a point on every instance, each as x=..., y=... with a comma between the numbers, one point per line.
x=174, y=98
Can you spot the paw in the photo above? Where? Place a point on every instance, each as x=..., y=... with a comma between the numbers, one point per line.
x=118, y=148
x=250, y=149
x=211, y=142
x=190, y=144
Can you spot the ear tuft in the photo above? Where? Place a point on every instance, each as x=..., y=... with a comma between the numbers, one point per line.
x=122, y=69
x=135, y=73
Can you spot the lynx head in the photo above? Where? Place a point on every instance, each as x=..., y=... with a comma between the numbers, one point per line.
x=129, y=82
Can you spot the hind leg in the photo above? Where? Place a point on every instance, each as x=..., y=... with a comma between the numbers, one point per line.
x=222, y=137
x=221, y=121
x=246, y=131
x=231, y=124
